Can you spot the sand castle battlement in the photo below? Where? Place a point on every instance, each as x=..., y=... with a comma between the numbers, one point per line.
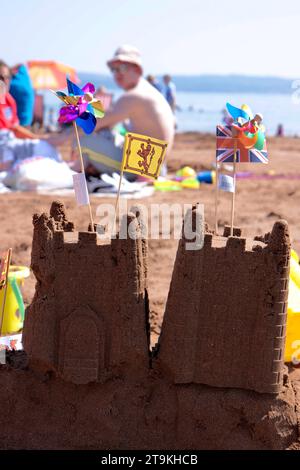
x=225, y=317
x=89, y=315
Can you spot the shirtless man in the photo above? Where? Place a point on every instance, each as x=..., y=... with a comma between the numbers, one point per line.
x=144, y=109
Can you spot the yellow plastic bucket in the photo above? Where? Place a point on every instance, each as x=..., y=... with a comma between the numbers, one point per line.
x=292, y=345
x=13, y=317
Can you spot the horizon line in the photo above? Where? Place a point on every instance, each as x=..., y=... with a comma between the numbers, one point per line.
x=107, y=74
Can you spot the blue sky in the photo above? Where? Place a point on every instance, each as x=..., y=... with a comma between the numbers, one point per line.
x=175, y=36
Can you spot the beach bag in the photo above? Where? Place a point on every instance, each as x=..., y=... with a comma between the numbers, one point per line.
x=39, y=173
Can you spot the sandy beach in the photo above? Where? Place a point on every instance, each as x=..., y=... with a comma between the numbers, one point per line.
x=144, y=344
x=259, y=202
x=158, y=414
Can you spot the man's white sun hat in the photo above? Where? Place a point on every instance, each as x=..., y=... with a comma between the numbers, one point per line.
x=127, y=53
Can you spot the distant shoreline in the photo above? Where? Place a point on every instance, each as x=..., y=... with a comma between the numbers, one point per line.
x=210, y=83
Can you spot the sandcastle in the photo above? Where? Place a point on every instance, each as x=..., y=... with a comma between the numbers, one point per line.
x=89, y=315
x=225, y=316
x=215, y=380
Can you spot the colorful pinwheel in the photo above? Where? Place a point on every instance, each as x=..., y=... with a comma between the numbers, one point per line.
x=248, y=128
x=81, y=106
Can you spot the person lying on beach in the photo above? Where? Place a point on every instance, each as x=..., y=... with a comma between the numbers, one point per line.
x=16, y=141
x=143, y=109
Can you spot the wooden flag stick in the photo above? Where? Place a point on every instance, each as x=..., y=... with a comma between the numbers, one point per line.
x=216, y=198
x=233, y=193
x=118, y=197
x=5, y=289
x=82, y=171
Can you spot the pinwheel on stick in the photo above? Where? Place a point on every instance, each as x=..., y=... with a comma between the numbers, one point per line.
x=244, y=141
x=82, y=109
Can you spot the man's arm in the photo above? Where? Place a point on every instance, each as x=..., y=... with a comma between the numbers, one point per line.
x=119, y=113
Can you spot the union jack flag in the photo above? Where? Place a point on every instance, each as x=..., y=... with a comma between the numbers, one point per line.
x=225, y=149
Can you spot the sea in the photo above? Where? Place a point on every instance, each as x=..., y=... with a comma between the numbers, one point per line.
x=201, y=111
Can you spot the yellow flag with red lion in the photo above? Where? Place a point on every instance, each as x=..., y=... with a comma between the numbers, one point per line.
x=143, y=155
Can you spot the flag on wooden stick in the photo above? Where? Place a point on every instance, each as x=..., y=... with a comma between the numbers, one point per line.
x=225, y=149
x=143, y=155
x=243, y=142
x=226, y=183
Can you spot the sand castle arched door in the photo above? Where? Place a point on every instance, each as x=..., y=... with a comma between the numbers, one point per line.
x=81, y=357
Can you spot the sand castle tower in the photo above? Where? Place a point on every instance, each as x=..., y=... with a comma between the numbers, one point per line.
x=225, y=317
x=89, y=316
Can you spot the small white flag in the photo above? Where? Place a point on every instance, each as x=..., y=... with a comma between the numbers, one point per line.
x=80, y=188
x=226, y=183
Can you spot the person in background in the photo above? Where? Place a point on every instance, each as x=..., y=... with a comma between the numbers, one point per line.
x=52, y=122
x=154, y=82
x=2, y=92
x=170, y=91
x=22, y=91
x=16, y=140
x=105, y=97
x=227, y=120
x=280, y=131
x=8, y=110
x=142, y=108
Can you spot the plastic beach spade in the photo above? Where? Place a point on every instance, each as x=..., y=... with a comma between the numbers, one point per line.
x=14, y=306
